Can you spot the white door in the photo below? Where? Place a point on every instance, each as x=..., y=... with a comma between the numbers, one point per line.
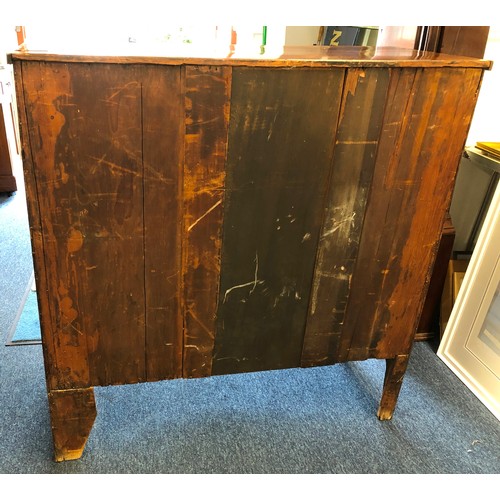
x=471, y=341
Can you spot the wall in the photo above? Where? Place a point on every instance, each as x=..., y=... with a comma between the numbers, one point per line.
x=301, y=35
x=486, y=117
x=8, y=41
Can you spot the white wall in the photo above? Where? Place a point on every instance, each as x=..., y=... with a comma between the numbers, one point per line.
x=485, y=123
x=8, y=41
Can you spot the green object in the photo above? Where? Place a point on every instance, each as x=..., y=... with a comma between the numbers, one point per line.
x=264, y=39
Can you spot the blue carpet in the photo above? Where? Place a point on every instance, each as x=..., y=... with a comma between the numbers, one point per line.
x=300, y=421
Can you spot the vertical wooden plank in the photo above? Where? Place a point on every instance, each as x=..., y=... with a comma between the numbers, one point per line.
x=441, y=149
x=281, y=134
x=380, y=220
x=163, y=144
x=207, y=101
x=43, y=86
x=353, y=164
x=85, y=133
x=34, y=216
x=423, y=138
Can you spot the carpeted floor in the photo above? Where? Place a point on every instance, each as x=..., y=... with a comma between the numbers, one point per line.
x=314, y=421
x=319, y=420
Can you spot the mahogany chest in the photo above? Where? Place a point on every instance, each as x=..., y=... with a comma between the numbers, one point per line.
x=192, y=217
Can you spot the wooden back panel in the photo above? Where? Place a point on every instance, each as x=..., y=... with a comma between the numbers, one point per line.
x=190, y=220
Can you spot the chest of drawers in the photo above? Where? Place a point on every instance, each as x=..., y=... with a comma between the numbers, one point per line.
x=192, y=217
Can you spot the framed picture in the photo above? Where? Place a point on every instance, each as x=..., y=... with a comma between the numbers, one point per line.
x=471, y=342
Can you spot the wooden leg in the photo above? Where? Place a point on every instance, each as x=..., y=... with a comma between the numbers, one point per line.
x=394, y=373
x=72, y=414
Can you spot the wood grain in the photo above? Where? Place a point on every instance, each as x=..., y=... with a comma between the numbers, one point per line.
x=291, y=57
x=72, y=415
x=85, y=132
x=162, y=158
x=393, y=380
x=413, y=179
x=207, y=101
x=43, y=121
x=353, y=163
x=34, y=217
x=202, y=219
x=281, y=135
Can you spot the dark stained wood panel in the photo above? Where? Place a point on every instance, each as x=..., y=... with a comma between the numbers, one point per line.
x=281, y=138
x=89, y=180
x=464, y=40
x=162, y=156
x=410, y=194
x=207, y=98
x=354, y=160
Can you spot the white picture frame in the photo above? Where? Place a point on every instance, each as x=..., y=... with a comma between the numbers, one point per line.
x=458, y=347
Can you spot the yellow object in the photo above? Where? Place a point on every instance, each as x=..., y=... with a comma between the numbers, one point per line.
x=454, y=278
x=493, y=148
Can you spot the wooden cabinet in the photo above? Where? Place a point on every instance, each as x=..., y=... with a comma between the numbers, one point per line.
x=8, y=182
x=194, y=217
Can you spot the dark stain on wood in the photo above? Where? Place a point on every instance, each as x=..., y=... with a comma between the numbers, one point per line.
x=353, y=163
x=162, y=156
x=273, y=213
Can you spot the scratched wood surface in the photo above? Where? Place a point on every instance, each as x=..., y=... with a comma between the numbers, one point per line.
x=296, y=245
x=279, y=156
x=207, y=102
x=43, y=86
x=162, y=156
x=37, y=245
x=86, y=133
x=422, y=140
x=353, y=163
x=192, y=220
